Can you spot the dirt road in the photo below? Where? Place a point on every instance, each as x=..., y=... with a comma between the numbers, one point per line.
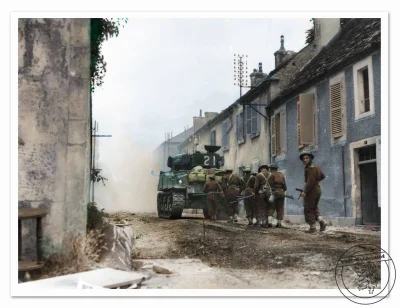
x=257, y=258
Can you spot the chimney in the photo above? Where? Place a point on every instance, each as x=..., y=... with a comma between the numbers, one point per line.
x=257, y=76
x=279, y=54
x=201, y=113
x=325, y=30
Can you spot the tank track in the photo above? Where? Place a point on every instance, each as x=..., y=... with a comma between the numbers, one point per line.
x=170, y=205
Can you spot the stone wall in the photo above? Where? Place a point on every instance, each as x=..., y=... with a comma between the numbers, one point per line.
x=54, y=127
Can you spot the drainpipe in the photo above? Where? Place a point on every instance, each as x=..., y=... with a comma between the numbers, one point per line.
x=269, y=135
x=344, y=184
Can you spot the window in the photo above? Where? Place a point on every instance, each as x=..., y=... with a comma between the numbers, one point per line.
x=278, y=133
x=363, y=88
x=212, y=138
x=306, y=120
x=225, y=134
x=239, y=128
x=336, y=109
x=252, y=121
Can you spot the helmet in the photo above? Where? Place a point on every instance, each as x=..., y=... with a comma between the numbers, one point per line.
x=262, y=166
x=247, y=169
x=211, y=177
x=273, y=166
x=306, y=153
x=228, y=170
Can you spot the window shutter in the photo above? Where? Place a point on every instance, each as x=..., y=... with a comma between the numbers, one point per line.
x=253, y=121
x=237, y=127
x=273, y=136
x=298, y=125
x=306, y=118
x=283, y=131
x=224, y=125
x=336, y=105
x=248, y=120
x=378, y=168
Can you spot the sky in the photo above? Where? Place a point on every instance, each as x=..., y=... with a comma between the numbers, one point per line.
x=160, y=73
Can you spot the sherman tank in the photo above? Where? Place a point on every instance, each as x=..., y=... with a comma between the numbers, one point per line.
x=182, y=187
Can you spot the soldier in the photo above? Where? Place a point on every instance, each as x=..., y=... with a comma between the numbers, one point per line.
x=312, y=192
x=254, y=202
x=212, y=199
x=278, y=186
x=245, y=192
x=262, y=192
x=231, y=187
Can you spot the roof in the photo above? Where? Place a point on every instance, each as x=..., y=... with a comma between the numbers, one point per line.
x=357, y=38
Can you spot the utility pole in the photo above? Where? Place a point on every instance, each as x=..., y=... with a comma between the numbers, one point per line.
x=95, y=129
x=240, y=78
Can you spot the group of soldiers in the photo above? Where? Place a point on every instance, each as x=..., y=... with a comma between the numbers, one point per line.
x=264, y=193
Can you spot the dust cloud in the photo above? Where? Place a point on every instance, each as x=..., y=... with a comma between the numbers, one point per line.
x=127, y=166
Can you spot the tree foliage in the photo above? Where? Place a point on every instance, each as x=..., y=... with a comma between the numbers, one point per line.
x=310, y=33
x=101, y=29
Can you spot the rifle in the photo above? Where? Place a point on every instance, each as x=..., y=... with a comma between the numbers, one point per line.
x=301, y=191
x=242, y=198
x=276, y=193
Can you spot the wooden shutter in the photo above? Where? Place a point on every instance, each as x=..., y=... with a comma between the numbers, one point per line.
x=298, y=125
x=378, y=168
x=248, y=120
x=306, y=119
x=224, y=129
x=253, y=121
x=273, y=136
x=283, y=131
x=336, y=108
x=237, y=127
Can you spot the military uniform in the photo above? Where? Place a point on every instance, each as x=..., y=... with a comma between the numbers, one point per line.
x=250, y=204
x=278, y=184
x=231, y=187
x=212, y=199
x=262, y=193
x=313, y=175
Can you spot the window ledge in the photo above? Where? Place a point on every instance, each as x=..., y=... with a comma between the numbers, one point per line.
x=364, y=115
x=225, y=149
x=280, y=157
x=254, y=135
x=241, y=141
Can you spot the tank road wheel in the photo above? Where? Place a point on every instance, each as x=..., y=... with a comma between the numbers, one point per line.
x=164, y=205
x=159, y=204
x=168, y=208
x=178, y=204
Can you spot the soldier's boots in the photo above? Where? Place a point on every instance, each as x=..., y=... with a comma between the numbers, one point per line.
x=264, y=224
x=270, y=220
x=230, y=219
x=279, y=224
x=235, y=219
x=322, y=225
x=312, y=229
x=258, y=222
x=214, y=217
x=250, y=221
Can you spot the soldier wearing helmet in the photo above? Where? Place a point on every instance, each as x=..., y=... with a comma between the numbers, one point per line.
x=248, y=189
x=262, y=192
x=311, y=194
x=231, y=187
x=212, y=187
x=277, y=183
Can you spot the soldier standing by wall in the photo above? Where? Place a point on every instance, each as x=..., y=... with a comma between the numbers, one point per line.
x=231, y=187
x=212, y=186
x=312, y=192
x=262, y=192
x=278, y=188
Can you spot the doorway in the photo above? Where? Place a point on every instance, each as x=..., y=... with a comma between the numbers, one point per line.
x=371, y=212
